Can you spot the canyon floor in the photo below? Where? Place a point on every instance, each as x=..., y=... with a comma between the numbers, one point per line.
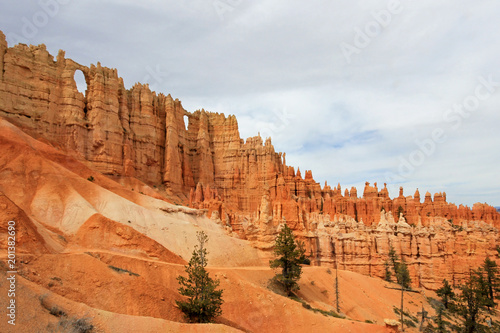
x=107, y=251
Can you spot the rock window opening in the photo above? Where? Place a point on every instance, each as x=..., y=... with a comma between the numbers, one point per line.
x=186, y=122
x=81, y=83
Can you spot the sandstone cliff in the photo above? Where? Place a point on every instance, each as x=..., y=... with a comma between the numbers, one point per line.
x=244, y=185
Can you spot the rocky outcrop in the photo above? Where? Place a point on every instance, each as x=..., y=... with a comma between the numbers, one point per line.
x=245, y=185
x=119, y=131
x=441, y=250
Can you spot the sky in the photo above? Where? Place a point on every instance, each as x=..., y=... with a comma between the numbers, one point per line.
x=402, y=92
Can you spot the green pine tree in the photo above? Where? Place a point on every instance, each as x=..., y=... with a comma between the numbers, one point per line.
x=481, y=281
x=403, y=275
x=404, y=280
x=393, y=257
x=492, y=279
x=400, y=211
x=388, y=273
x=446, y=293
x=290, y=255
x=441, y=325
x=471, y=302
x=204, y=301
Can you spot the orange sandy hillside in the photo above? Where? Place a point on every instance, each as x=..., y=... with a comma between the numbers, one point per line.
x=38, y=302
x=94, y=253
x=148, y=288
x=248, y=307
x=102, y=233
x=28, y=239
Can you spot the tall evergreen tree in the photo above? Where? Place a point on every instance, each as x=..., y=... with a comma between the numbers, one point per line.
x=441, y=326
x=446, y=293
x=492, y=279
x=404, y=280
x=393, y=257
x=403, y=275
x=388, y=273
x=289, y=257
x=481, y=282
x=470, y=302
x=204, y=301
x=337, y=294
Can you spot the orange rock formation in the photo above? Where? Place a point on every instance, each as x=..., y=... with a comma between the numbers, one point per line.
x=244, y=185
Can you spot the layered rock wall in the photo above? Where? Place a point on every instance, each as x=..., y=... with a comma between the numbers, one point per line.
x=441, y=250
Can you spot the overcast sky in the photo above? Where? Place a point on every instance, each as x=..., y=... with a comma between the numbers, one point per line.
x=404, y=92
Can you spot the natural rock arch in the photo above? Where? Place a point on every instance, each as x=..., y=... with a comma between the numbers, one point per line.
x=81, y=81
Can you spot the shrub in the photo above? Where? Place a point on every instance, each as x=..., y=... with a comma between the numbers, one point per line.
x=409, y=323
x=81, y=325
x=121, y=270
x=55, y=311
